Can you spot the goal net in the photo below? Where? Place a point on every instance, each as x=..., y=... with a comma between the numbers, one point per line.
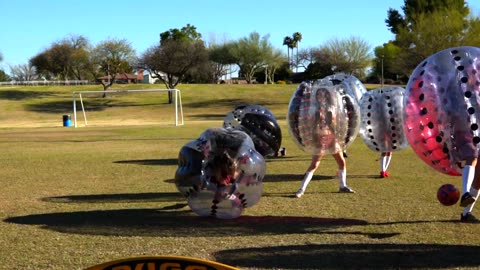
x=80, y=94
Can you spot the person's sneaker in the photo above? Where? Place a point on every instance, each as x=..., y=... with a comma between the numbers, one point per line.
x=468, y=218
x=387, y=174
x=299, y=193
x=345, y=190
x=383, y=174
x=466, y=199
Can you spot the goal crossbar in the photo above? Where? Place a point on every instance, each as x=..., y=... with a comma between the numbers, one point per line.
x=177, y=100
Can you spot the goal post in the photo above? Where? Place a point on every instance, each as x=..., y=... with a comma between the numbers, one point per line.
x=177, y=102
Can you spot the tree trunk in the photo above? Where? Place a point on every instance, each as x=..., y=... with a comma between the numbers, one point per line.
x=288, y=57
x=296, y=64
x=106, y=86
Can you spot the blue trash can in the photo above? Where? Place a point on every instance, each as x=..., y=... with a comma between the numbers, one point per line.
x=67, y=121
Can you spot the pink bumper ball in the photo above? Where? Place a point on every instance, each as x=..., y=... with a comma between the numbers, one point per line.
x=442, y=108
x=322, y=118
x=381, y=128
x=220, y=173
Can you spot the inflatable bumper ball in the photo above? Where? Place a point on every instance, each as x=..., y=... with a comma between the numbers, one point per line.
x=442, y=108
x=260, y=124
x=381, y=128
x=355, y=87
x=322, y=119
x=220, y=173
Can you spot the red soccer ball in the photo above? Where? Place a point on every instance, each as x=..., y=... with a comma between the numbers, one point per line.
x=448, y=194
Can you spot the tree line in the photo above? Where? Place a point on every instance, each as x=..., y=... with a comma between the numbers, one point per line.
x=421, y=28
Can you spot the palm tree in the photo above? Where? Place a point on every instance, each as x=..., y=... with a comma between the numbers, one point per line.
x=288, y=42
x=297, y=37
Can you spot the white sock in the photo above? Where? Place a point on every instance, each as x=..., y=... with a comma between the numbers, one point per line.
x=389, y=158
x=469, y=208
x=468, y=173
x=383, y=161
x=342, y=176
x=306, y=179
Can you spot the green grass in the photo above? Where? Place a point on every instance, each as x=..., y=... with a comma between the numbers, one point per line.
x=72, y=198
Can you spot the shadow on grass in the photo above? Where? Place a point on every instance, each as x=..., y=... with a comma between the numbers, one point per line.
x=213, y=103
x=217, y=103
x=178, y=221
x=299, y=177
x=210, y=116
x=166, y=161
x=294, y=177
x=64, y=106
x=288, y=159
x=353, y=256
x=22, y=95
x=122, y=197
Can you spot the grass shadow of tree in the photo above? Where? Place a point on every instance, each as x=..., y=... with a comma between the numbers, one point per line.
x=121, y=197
x=166, y=161
x=23, y=95
x=65, y=106
x=209, y=116
x=353, y=256
x=217, y=103
x=212, y=103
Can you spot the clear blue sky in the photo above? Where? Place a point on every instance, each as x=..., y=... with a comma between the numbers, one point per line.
x=29, y=26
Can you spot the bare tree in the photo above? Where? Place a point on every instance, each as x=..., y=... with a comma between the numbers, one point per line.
x=351, y=55
x=307, y=56
x=23, y=72
x=274, y=60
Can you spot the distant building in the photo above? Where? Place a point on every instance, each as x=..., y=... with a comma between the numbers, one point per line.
x=149, y=79
x=122, y=78
x=142, y=76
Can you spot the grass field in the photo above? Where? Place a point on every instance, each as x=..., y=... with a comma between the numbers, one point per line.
x=75, y=197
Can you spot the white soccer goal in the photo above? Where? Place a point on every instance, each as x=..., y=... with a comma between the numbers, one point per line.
x=177, y=100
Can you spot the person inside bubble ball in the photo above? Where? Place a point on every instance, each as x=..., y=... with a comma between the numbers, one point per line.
x=324, y=139
x=224, y=170
x=349, y=108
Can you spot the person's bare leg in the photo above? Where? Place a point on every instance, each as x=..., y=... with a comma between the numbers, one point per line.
x=315, y=162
